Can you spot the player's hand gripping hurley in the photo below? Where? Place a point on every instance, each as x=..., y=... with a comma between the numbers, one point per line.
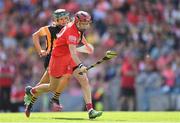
x=109, y=55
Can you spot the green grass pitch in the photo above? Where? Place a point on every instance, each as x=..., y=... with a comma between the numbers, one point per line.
x=82, y=117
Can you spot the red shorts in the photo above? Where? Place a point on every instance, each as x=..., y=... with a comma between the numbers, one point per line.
x=61, y=65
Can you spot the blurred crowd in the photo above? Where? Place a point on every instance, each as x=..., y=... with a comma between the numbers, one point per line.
x=146, y=35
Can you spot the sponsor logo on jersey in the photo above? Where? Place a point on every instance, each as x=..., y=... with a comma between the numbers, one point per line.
x=72, y=38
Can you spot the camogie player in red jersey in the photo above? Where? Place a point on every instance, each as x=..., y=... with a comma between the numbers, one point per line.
x=64, y=61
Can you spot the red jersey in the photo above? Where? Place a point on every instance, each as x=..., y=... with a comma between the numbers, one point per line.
x=61, y=62
x=6, y=75
x=68, y=35
x=126, y=80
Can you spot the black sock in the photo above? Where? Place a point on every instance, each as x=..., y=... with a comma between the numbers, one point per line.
x=55, y=98
x=32, y=102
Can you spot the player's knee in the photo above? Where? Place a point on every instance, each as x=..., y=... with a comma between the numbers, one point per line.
x=68, y=79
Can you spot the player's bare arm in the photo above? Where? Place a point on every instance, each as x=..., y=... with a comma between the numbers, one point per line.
x=43, y=31
x=86, y=48
x=74, y=56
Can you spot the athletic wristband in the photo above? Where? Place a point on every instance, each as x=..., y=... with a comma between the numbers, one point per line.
x=80, y=65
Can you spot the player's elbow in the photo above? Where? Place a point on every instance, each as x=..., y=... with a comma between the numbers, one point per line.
x=90, y=49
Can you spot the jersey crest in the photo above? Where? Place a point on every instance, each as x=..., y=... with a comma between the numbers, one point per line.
x=72, y=38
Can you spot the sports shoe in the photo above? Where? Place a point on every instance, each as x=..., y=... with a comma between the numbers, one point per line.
x=28, y=90
x=27, y=100
x=56, y=106
x=93, y=114
x=27, y=111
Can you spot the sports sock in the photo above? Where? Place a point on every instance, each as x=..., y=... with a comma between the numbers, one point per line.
x=89, y=107
x=56, y=97
x=32, y=102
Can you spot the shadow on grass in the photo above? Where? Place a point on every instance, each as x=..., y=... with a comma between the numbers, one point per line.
x=65, y=118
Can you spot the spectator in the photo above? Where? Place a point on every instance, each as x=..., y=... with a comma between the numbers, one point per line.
x=147, y=82
x=128, y=75
x=17, y=95
x=6, y=79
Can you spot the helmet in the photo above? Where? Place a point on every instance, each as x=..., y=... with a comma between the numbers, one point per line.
x=82, y=20
x=60, y=17
x=82, y=16
x=60, y=13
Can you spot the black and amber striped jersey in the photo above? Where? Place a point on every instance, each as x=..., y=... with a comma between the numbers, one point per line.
x=50, y=32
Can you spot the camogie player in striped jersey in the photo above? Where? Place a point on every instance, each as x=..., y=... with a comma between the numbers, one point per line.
x=60, y=19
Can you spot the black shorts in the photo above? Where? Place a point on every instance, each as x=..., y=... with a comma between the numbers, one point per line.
x=127, y=92
x=46, y=61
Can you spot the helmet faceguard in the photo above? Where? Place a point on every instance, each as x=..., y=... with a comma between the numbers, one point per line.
x=82, y=20
x=61, y=17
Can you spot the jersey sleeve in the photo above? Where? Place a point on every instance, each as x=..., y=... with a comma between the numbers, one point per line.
x=44, y=31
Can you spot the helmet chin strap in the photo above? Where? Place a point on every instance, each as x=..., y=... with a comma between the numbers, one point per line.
x=57, y=24
x=81, y=30
x=77, y=25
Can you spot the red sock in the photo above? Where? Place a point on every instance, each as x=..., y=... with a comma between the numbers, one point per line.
x=89, y=106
